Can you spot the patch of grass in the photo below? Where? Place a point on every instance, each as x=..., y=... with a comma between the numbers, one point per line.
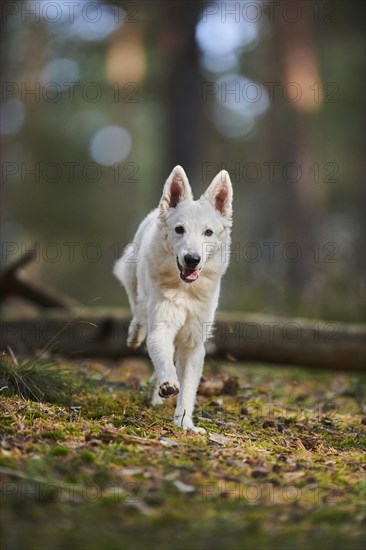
x=58, y=450
x=119, y=474
x=33, y=414
x=38, y=380
x=87, y=457
x=95, y=406
x=56, y=434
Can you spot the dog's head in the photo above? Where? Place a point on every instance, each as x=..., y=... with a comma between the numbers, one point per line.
x=195, y=231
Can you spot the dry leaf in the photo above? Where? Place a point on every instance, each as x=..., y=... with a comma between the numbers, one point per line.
x=183, y=487
x=219, y=439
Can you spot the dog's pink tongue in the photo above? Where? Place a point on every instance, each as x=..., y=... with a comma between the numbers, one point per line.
x=191, y=276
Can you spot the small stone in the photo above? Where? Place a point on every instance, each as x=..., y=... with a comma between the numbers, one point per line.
x=310, y=479
x=167, y=442
x=260, y=472
x=327, y=422
x=274, y=481
x=130, y=471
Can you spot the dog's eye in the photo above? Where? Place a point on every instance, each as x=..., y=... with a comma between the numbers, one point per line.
x=208, y=233
x=179, y=230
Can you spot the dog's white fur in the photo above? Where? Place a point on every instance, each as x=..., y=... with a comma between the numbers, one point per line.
x=173, y=314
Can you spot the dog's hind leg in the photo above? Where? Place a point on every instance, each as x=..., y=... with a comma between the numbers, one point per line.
x=126, y=273
x=136, y=334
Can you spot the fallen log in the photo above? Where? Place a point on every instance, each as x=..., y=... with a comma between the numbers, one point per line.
x=236, y=337
x=15, y=282
x=311, y=343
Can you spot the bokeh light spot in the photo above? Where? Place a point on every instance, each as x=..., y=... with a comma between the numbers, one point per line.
x=110, y=145
x=61, y=71
x=12, y=115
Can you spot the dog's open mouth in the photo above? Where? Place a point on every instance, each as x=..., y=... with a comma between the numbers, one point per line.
x=187, y=274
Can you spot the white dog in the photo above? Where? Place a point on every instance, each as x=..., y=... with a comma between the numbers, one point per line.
x=171, y=273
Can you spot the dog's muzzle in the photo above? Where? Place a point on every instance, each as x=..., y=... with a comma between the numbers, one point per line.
x=189, y=273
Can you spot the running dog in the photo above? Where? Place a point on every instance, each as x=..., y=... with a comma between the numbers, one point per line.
x=172, y=273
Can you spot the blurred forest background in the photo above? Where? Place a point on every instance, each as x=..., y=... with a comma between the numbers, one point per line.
x=101, y=99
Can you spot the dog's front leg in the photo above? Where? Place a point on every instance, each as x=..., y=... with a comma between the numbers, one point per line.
x=189, y=367
x=160, y=345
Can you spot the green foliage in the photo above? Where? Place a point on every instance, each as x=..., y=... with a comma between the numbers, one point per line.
x=58, y=450
x=38, y=380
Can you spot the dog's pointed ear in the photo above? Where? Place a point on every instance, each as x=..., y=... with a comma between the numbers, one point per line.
x=220, y=194
x=176, y=189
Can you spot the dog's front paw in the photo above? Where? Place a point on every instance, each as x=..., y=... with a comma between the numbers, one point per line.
x=168, y=389
x=195, y=429
x=187, y=425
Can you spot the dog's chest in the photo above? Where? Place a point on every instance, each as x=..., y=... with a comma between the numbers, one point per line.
x=192, y=298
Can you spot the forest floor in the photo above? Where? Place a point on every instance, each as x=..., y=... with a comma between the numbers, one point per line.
x=281, y=465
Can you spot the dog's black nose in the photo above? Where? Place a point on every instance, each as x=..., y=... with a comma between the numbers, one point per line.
x=191, y=260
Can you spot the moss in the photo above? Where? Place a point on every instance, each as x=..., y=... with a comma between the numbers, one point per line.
x=291, y=474
x=87, y=457
x=33, y=414
x=58, y=450
x=57, y=434
x=7, y=462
